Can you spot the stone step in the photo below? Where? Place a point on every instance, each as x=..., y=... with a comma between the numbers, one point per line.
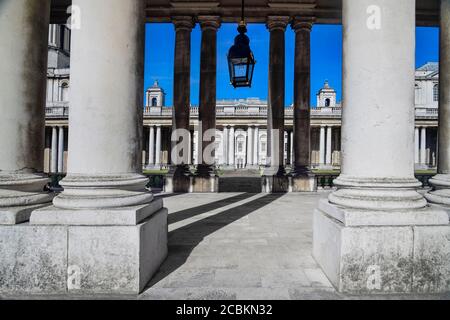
x=240, y=184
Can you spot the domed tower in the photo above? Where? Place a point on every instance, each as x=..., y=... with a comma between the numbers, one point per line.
x=326, y=97
x=155, y=96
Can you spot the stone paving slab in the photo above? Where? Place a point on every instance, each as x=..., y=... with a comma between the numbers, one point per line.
x=241, y=246
x=244, y=246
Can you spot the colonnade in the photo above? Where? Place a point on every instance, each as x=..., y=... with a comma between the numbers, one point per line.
x=105, y=143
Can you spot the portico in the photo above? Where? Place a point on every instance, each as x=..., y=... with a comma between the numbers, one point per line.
x=374, y=234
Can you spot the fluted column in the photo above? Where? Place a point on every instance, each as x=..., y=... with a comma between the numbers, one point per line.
x=275, y=135
x=54, y=151
x=105, y=136
x=377, y=169
x=151, y=147
x=207, y=108
x=441, y=182
x=61, y=150
x=23, y=63
x=302, y=88
x=182, y=90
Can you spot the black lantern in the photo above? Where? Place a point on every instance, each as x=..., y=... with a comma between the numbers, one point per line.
x=241, y=61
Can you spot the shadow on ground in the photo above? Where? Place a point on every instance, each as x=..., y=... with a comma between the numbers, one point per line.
x=198, y=230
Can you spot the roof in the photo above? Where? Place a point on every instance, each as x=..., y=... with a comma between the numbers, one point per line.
x=325, y=11
x=429, y=66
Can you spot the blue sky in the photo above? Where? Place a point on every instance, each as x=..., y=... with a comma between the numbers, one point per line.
x=326, y=59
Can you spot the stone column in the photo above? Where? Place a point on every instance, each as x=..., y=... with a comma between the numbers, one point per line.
x=225, y=145
x=423, y=146
x=112, y=234
x=231, y=147
x=23, y=63
x=196, y=145
x=275, y=134
x=256, y=147
x=322, y=145
x=329, y=145
x=158, y=147
x=376, y=222
x=182, y=89
x=208, y=73
x=61, y=150
x=250, y=146
x=441, y=182
x=151, y=147
x=54, y=151
x=292, y=148
x=105, y=144
x=417, y=146
x=302, y=88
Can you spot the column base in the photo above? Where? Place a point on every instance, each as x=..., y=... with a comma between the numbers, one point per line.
x=383, y=252
x=16, y=215
x=77, y=260
x=377, y=193
x=440, y=194
x=20, y=194
x=103, y=191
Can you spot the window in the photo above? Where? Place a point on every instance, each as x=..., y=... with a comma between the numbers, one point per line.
x=240, y=146
x=436, y=92
x=154, y=102
x=263, y=147
x=327, y=102
x=64, y=92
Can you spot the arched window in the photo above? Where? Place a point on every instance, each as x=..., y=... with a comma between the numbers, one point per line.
x=64, y=92
x=154, y=102
x=436, y=92
x=327, y=102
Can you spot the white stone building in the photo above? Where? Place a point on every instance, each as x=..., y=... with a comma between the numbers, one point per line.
x=241, y=138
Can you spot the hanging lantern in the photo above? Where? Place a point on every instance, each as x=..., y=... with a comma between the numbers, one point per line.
x=241, y=62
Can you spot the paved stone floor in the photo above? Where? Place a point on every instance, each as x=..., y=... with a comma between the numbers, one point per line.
x=243, y=246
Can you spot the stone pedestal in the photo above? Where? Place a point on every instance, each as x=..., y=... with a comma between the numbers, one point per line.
x=178, y=183
x=81, y=259
x=303, y=183
x=205, y=184
x=275, y=184
x=370, y=252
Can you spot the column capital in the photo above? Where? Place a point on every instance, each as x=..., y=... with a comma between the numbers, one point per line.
x=302, y=23
x=277, y=23
x=183, y=23
x=209, y=22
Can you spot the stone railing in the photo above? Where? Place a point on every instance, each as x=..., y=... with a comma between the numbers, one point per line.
x=61, y=110
x=57, y=110
x=428, y=113
x=241, y=111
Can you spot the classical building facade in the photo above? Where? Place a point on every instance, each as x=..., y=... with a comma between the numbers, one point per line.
x=241, y=137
